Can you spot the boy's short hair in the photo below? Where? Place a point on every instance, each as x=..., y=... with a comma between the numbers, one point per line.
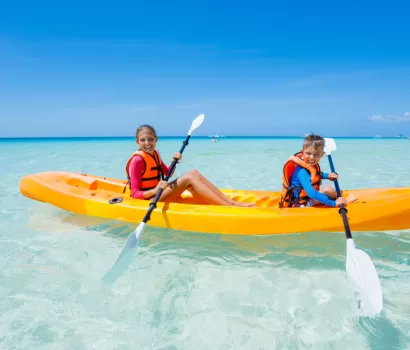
x=314, y=140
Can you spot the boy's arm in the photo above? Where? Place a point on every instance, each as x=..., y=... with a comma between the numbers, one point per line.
x=304, y=178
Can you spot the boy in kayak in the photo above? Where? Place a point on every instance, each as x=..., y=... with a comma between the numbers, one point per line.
x=302, y=178
x=145, y=172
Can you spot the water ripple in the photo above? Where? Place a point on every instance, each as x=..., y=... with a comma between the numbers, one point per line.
x=189, y=290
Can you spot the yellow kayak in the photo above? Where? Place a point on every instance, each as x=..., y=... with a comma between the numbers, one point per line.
x=377, y=209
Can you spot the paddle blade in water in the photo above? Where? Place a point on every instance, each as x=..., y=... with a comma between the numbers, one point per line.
x=131, y=241
x=361, y=271
x=125, y=256
x=196, y=122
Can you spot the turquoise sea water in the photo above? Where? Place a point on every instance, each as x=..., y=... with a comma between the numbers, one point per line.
x=191, y=290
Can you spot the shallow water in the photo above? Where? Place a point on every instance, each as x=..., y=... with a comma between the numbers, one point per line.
x=187, y=290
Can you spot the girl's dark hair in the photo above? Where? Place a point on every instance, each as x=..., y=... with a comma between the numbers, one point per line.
x=314, y=140
x=145, y=126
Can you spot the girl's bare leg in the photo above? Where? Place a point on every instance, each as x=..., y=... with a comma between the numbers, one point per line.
x=221, y=194
x=200, y=187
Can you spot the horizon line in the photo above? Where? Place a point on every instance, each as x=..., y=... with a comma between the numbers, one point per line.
x=184, y=136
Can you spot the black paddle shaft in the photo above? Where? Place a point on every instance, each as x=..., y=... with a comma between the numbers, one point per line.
x=153, y=204
x=342, y=210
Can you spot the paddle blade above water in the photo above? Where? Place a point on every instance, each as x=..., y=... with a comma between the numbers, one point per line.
x=362, y=273
x=330, y=145
x=196, y=122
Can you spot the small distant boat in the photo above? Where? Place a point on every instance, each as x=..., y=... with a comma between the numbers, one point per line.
x=216, y=137
x=377, y=137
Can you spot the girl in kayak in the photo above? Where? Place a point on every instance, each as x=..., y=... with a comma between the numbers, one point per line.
x=302, y=178
x=146, y=171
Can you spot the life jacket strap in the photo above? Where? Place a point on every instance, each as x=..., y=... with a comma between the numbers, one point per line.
x=290, y=196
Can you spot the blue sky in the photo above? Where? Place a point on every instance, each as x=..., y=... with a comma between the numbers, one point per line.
x=254, y=68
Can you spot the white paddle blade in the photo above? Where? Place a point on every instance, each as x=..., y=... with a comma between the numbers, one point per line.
x=330, y=145
x=131, y=242
x=139, y=230
x=361, y=271
x=125, y=256
x=197, y=122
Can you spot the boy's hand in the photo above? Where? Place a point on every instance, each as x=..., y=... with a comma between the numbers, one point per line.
x=351, y=198
x=340, y=201
x=332, y=176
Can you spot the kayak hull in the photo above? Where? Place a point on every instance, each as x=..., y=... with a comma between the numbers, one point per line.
x=377, y=209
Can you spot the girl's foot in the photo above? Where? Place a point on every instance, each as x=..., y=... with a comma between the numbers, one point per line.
x=351, y=198
x=242, y=204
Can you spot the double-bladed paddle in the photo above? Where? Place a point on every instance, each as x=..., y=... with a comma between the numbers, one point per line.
x=126, y=252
